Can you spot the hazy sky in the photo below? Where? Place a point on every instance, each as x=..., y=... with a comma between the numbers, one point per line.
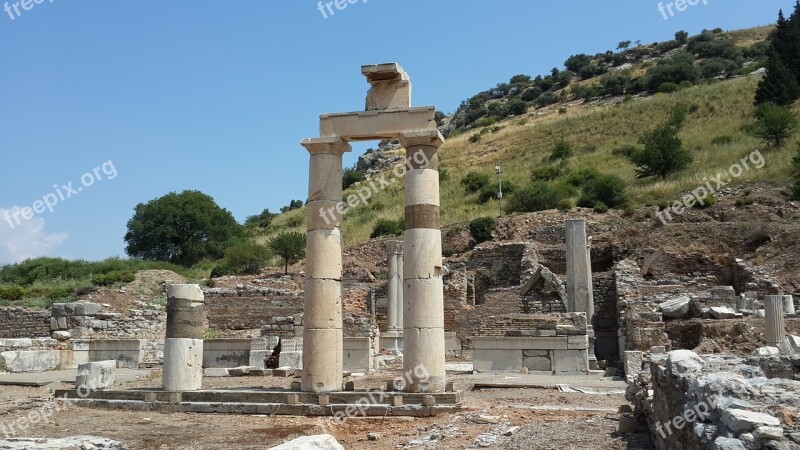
x=105, y=104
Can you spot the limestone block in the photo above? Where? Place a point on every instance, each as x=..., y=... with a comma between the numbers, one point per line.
x=96, y=376
x=788, y=305
x=324, y=255
x=293, y=360
x=423, y=304
x=578, y=342
x=721, y=312
x=324, y=300
x=424, y=359
x=726, y=443
x=790, y=345
x=768, y=433
x=62, y=335
x=570, y=361
x=677, y=308
x=633, y=363
x=767, y=351
x=422, y=187
x=377, y=125
x=215, y=372
x=740, y=420
x=422, y=250
x=183, y=364
x=318, y=442
x=391, y=87
x=486, y=360
x=29, y=361
x=684, y=361
x=16, y=343
x=325, y=177
x=520, y=343
x=322, y=360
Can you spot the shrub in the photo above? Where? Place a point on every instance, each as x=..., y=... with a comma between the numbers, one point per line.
x=222, y=269
x=579, y=178
x=546, y=99
x=112, y=278
x=774, y=124
x=489, y=192
x=481, y=229
x=561, y=151
x=626, y=151
x=668, y=87
x=722, y=140
x=11, y=292
x=546, y=173
x=600, y=207
x=247, y=257
x=537, y=196
x=517, y=107
x=387, y=227
x=444, y=175
x=604, y=188
x=566, y=204
x=663, y=152
x=796, y=174
x=677, y=69
x=708, y=201
x=475, y=138
x=351, y=176
x=474, y=182
x=531, y=94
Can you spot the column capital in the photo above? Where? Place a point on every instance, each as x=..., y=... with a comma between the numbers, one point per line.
x=326, y=145
x=431, y=138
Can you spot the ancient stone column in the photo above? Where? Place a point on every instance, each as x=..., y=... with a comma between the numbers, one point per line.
x=775, y=328
x=788, y=305
x=183, y=347
x=580, y=296
x=393, y=337
x=323, y=351
x=423, y=297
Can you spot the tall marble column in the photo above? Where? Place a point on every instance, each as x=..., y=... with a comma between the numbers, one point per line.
x=580, y=295
x=775, y=328
x=423, y=321
x=393, y=337
x=323, y=351
x=183, y=347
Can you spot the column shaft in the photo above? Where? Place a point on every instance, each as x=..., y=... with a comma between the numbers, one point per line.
x=580, y=295
x=395, y=285
x=775, y=329
x=322, y=320
x=183, y=346
x=423, y=297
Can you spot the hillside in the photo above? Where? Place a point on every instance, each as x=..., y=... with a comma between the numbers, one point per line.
x=719, y=107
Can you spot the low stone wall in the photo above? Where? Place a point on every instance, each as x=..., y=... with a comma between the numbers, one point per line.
x=24, y=323
x=556, y=343
x=229, y=309
x=689, y=402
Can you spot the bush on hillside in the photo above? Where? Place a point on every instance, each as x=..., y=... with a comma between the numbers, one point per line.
x=774, y=124
x=547, y=172
x=247, y=258
x=537, y=196
x=663, y=151
x=112, y=278
x=561, y=151
x=607, y=189
x=481, y=229
x=387, y=227
x=474, y=182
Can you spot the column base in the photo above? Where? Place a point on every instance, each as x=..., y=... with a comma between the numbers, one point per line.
x=392, y=340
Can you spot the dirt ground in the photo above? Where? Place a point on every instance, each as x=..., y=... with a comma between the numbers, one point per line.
x=546, y=417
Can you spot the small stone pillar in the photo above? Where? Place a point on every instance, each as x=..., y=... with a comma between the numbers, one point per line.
x=580, y=295
x=423, y=322
x=183, y=347
x=788, y=305
x=775, y=328
x=393, y=338
x=323, y=352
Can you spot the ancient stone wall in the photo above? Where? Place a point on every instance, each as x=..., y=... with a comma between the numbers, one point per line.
x=24, y=323
x=229, y=309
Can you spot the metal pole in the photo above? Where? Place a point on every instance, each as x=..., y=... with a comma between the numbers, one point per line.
x=500, y=191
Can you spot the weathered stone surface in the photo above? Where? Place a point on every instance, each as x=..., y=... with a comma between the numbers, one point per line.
x=96, y=376
x=29, y=361
x=318, y=442
x=790, y=345
x=216, y=372
x=768, y=433
x=683, y=361
x=721, y=312
x=68, y=443
x=740, y=420
x=240, y=371
x=62, y=335
x=724, y=443
x=677, y=308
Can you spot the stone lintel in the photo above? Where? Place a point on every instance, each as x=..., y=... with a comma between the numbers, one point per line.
x=330, y=145
x=377, y=125
x=381, y=72
x=431, y=138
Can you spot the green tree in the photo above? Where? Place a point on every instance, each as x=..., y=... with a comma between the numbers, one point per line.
x=606, y=189
x=481, y=229
x=774, y=124
x=517, y=107
x=663, y=151
x=439, y=117
x=291, y=246
x=682, y=37
x=779, y=85
x=246, y=257
x=351, y=176
x=537, y=196
x=180, y=228
x=624, y=45
x=262, y=220
x=294, y=204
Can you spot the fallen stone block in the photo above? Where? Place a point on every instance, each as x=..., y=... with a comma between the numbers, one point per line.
x=768, y=433
x=767, y=351
x=740, y=420
x=677, y=308
x=260, y=372
x=683, y=361
x=215, y=372
x=29, y=361
x=318, y=442
x=724, y=443
x=62, y=335
x=283, y=372
x=240, y=371
x=96, y=376
x=291, y=359
x=721, y=312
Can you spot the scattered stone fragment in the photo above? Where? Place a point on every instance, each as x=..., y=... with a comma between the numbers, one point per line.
x=318, y=442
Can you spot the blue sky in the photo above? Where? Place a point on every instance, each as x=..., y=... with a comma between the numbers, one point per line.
x=216, y=95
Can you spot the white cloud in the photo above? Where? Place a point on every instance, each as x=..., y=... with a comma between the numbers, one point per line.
x=27, y=239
